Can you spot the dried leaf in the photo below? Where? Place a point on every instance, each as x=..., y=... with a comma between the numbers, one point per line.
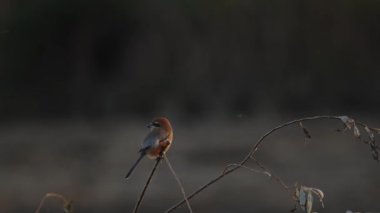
x=309, y=203
x=356, y=131
x=68, y=207
x=305, y=130
x=302, y=197
x=348, y=122
x=377, y=130
x=375, y=153
x=341, y=130
x=296, y=195
x=372, y=144
x=320, y=195
x=370, y=133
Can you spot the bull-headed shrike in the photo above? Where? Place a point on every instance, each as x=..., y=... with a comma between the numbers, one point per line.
x=157, y=142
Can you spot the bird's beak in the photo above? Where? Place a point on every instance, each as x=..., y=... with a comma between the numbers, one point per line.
x=149, y=125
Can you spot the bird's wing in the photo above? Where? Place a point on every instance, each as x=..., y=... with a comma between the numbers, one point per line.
x=151, y=141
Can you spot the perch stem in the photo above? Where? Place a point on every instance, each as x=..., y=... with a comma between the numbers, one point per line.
x=138, y=203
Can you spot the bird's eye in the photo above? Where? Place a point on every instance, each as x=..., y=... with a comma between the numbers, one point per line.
x=155, y=124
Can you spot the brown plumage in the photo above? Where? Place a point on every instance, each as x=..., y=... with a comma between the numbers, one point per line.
x=157, y=142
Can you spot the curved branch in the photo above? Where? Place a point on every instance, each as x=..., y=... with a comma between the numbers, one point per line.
x=250, y=154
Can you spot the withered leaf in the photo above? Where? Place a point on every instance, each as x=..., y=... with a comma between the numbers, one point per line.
x=375, y=155
x=304, y=196
x=305, y=130
x=377, y=130
x=309, y=203
x=68, y=207
x=370, y=133
x=356, y=131
x=347, y=121
x=320, y=195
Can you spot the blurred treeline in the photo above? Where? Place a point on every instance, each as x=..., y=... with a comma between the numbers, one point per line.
x=64, y=58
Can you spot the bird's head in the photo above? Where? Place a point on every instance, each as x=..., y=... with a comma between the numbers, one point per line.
x=160, y=123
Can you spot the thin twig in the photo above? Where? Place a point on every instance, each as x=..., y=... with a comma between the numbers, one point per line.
x=179, y=183
x=146, y=185
x=265, y=172
x=250, y=154
x=65, y=201
x=275, y=177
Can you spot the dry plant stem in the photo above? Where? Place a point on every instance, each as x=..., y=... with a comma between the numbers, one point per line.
x=138, y=203
x=264, y=172
x=179, y=183
x=47, y=195
x=275, y=177
x=250, y=154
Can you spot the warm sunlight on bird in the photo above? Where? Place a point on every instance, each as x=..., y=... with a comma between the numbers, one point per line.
x=157, y=142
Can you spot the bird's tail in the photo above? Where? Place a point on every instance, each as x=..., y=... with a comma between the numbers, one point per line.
x=134, y=165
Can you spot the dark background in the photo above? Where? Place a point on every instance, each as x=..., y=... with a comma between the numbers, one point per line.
x=80, y=79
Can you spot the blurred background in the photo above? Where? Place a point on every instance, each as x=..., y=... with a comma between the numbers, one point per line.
x=80, y=79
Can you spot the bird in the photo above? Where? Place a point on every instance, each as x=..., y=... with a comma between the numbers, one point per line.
x=156, y=143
